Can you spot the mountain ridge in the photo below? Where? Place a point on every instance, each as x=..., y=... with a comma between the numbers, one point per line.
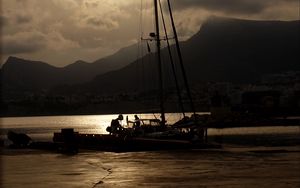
x=224, y=49
x=18, y=72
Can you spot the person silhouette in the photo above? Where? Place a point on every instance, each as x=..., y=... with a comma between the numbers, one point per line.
x=137, y=121
x=115, y=125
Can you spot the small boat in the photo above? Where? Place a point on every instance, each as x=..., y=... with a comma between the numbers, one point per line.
x=69, y=141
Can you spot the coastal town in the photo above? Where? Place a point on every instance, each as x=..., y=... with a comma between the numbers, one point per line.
x=278, y=93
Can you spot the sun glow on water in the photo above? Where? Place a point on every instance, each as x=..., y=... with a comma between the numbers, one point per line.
x=42, y=128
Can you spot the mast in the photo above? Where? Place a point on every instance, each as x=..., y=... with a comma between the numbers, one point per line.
x=181, y=60
x=172, y=61
x=158, y=46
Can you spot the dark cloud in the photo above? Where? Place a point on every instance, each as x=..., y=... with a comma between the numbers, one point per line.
x=23, y=19
x=228, y=6
x=93, y=4
x=102, y=23
x=16, y=19
x=17, y=48
x=23, y=43
x=3, y=21
x=95, y=21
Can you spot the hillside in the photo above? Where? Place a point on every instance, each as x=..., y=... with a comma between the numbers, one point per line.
x=26, y=75
x=224, y=50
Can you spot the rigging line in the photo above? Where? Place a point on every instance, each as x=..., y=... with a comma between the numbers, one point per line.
x=138, y=51
x=158, y=53
x=154, y=77
x=141, y=75
x=149, y=24
x=181, y=60
x=142, y=62
x=141, y=19
x=172, y=61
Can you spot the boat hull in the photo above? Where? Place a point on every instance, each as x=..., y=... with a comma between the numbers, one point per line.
x=120, y=143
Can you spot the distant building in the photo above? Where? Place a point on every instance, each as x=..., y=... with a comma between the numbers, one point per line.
x=261, y=101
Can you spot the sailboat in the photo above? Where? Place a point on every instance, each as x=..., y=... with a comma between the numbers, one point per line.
x=151, y=134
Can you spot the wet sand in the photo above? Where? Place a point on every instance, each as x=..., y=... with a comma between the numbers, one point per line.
x=230, y=167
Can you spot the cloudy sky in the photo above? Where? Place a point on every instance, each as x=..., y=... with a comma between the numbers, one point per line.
x=60, y=32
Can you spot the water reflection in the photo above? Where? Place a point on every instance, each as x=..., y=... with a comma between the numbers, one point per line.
x=44, y=127
x=255, y=130
x=229, y=167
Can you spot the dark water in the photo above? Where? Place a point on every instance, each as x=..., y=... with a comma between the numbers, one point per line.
x=250, y=157
x=229, y=167
x=42, y=128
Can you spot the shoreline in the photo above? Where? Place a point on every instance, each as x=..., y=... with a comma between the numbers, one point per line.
x=255, y=143
x=225, y=149
x=228, y=122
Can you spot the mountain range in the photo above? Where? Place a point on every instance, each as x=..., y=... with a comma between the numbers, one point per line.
x=224, y=49
x=24, y=74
